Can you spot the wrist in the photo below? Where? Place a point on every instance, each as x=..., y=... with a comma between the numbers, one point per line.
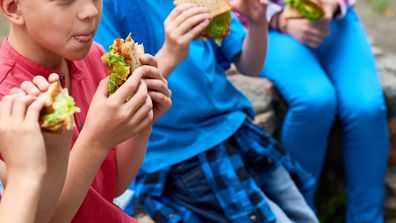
x=282, y=23
x=90, y=141
x=25, y=179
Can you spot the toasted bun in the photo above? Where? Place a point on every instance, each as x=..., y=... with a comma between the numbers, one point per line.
x=216, y=7
x=49, y=96
x=132, y=52
x=292, y=13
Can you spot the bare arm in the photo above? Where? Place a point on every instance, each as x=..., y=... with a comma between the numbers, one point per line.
x=130, y=155
x=251, y=59
x=20, y=199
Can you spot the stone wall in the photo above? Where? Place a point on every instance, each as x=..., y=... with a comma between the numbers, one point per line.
x=270, y=111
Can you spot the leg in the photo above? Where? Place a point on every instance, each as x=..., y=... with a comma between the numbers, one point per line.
x=279, y=187
x=217, y=188
x=300, y=79
x=348, y=60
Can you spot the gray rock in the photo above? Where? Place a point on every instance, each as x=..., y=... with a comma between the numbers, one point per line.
x=258, y=90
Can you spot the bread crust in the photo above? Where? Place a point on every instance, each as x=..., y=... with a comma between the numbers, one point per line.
x=216, y=7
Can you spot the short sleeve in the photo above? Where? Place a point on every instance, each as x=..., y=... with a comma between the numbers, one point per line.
x=233, y=42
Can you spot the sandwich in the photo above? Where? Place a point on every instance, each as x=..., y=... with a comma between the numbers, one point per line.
x=57, y=113
x=121, y=61
x=309, y=9
x=220, y=13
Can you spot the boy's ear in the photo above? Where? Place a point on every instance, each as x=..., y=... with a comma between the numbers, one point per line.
x=11, y=10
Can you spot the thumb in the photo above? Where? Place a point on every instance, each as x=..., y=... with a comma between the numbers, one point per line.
x=102, y=90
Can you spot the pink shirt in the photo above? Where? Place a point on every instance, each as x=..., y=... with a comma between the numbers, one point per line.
x=85, y=76
x=276, y=6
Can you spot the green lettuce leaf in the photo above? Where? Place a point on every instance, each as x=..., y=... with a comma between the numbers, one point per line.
x=64, y=105
x=119, y=70
x=307, y=10
x=219, y=27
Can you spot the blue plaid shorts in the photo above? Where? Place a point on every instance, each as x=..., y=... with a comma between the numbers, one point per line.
x=221, y=184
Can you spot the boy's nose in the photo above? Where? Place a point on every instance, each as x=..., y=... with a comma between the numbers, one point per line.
x=88, y=11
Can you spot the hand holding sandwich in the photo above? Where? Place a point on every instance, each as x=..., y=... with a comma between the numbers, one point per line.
x=253, y=10
x=157, y=87
x=182, y=25
x=330, y=7
x=307, y=32
x=23, y=151
x=21, y=141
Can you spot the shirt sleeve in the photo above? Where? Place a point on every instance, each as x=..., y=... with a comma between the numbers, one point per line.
x=273, y=9
x=344, y=5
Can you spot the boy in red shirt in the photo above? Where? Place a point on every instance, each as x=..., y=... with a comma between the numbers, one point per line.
x=56, y=36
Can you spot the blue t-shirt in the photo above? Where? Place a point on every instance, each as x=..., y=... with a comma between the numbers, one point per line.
x=207, y=109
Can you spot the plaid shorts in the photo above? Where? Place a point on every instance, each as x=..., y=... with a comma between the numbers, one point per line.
x=221, y=184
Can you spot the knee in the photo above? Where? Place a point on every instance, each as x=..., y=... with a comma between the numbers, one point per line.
x=315, y=104
x=364, y=110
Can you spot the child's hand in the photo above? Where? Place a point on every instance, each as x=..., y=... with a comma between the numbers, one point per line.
x=253, y=10
x=330, y=7
x=183, y=24
x=38, y=85
x=157, y=87
x=115, y=118
x=21, y=142
x=54, y=143
x=308, y=33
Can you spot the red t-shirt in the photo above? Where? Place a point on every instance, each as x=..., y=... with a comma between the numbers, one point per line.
x=85, y=76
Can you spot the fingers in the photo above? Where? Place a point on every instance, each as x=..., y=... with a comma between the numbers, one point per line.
x=20, y=107
x=186, y=16
x=178, y=10
x=7, y=106
x=41, y=83
x=102, y=90
x=33, y=111
x=194, y=32
x=153, y=73
x=53, y=77
x=192, y=22
x=158, y=86
x=138, y=99
x=29, y=88
x=16, y=91
x=149, y=60
x=130, y=86
x=143, y=112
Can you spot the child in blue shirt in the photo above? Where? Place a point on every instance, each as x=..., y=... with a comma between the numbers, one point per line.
x=205, y=161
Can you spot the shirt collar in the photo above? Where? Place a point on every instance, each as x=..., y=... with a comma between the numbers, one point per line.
x=34, y=67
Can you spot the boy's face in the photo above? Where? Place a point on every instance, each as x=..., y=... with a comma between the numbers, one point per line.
x=62, y=27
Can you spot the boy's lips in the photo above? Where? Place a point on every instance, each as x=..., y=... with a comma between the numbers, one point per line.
x=83, y=38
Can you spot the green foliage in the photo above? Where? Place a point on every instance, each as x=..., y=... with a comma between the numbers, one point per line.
x=380, y=5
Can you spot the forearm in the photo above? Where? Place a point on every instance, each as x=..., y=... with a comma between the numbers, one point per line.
x=20, y=199
x=166, y=61
x=53, y=183
x=130, y=155
x=251, y=59
x=85, y=160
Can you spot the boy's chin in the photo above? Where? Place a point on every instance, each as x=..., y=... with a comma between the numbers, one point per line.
x=79, y=55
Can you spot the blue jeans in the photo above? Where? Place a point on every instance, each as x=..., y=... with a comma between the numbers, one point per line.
x=337, y=80
x=281, y=194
